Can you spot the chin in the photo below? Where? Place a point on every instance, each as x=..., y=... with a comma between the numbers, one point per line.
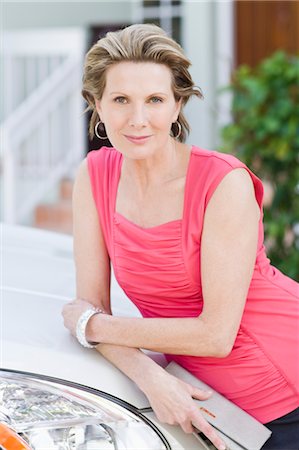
x=141, y=150
x=135, y=151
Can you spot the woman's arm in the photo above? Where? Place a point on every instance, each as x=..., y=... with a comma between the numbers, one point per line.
x=228, y=251
x=170, y=398
x=90, y=252
x=93, y=275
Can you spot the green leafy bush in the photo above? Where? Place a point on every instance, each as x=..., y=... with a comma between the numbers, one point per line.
x=265, y=136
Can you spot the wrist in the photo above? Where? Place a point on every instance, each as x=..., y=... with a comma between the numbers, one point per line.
x=82, y=325
x=150, y=378
x=94, y=327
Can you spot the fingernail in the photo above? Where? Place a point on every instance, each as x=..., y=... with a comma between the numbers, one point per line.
x=222, y=447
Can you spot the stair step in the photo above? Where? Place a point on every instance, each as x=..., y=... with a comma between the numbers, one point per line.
x=55, y=217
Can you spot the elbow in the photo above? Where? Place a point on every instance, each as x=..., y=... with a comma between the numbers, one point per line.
x=222, y=350
x=220, y=340
x=222, y=346
x=216, y=348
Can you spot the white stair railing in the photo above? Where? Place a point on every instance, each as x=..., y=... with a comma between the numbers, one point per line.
x=42, y=141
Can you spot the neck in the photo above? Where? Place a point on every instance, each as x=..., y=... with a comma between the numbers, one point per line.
x=155, y=170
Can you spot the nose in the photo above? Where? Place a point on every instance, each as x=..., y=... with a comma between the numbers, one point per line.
x=138, y=116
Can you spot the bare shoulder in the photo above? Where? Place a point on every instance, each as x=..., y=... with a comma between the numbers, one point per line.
x=235, y=193
x=82, y=186
x=84, y=207
x=83, y=167
x=237, y=180
x=82, y=172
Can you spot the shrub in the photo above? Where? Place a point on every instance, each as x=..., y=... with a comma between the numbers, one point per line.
x=265, y=136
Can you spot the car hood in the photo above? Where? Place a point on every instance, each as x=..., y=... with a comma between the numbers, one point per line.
x=34, y=340
x=38, y=278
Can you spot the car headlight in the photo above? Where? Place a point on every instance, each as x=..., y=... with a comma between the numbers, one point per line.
x=51, y=415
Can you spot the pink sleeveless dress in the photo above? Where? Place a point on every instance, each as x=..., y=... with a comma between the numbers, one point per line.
x=159, y=270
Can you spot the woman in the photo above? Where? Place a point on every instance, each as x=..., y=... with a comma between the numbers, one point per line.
x=183, y=229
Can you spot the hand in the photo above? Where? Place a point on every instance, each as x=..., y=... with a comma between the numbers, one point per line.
x=72, y=311
x=172, y=402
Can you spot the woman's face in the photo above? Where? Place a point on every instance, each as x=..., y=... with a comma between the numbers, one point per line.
x=138, y=108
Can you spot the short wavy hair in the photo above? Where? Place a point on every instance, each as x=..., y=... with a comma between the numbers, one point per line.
x=137, y=43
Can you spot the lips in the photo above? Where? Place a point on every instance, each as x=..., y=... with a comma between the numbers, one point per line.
x=137, y=139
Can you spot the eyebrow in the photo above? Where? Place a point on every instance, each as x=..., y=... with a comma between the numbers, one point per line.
x=150, y=95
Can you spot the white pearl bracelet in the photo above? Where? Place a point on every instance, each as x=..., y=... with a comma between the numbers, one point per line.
x=82, y=324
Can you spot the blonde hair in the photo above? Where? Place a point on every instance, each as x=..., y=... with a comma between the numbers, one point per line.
x=137, y=43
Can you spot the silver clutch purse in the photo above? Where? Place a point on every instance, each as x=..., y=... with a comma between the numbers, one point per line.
x=238, y=429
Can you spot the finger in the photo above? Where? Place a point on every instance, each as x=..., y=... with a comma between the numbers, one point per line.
x=187, y=426
x=203, y=426
x=201, y=394
x=64, y=311
x=66, y=308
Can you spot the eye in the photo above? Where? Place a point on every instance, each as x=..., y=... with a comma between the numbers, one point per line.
x=120, y=100
x=156, y=100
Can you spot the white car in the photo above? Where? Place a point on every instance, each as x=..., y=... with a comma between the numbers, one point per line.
x=55, y=394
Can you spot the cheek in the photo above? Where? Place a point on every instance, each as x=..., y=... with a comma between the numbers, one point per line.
x=114, y=121
x=162, y=120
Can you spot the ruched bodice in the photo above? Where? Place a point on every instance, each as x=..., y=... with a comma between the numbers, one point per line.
x=161, y=271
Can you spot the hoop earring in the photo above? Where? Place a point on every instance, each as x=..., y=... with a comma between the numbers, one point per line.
x=96, y=131
x=179, y=129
